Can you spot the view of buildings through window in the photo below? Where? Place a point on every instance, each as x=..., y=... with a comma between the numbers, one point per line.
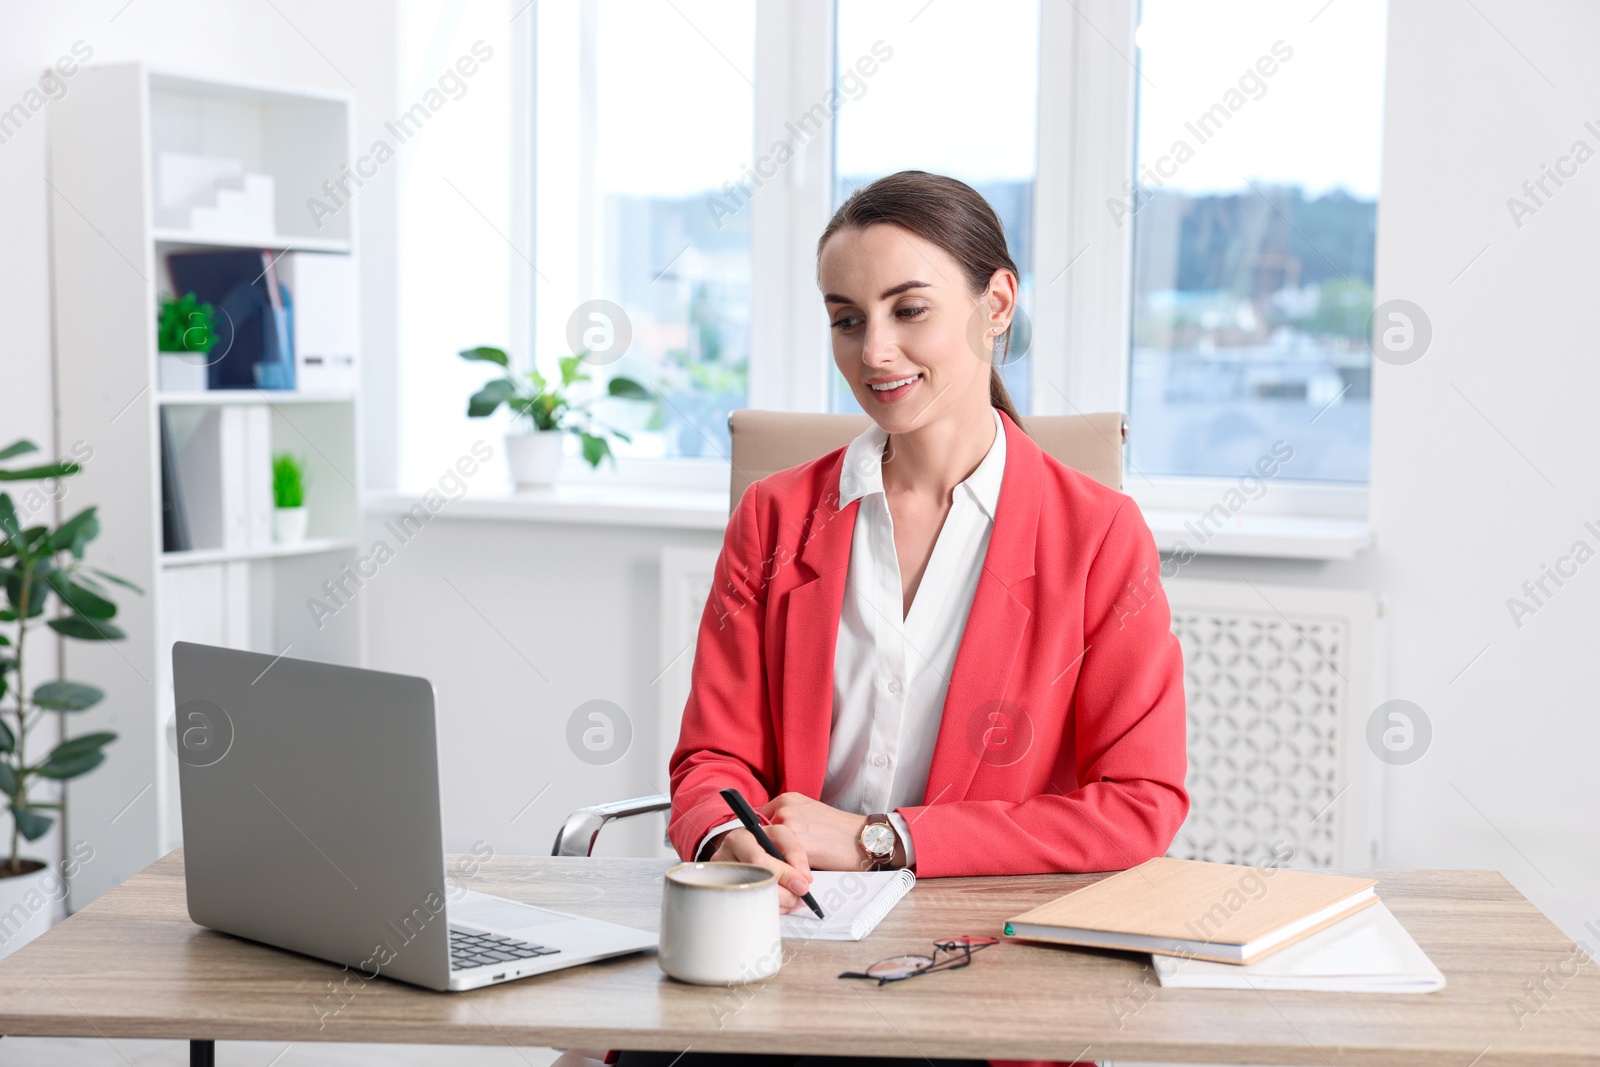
x=1253, y=237
x=973, y=121
x=644, y=122
x=1252, y=222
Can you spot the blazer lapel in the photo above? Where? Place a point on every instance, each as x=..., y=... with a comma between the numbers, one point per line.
x=811, y=631
x=981, y=696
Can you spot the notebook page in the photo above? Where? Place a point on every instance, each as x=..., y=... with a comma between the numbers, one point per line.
x=853, y=901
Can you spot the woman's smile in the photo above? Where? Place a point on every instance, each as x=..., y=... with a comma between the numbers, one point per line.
x=893, y=390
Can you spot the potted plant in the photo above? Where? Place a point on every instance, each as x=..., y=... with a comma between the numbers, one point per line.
x=185, y=334
x=548, y=413
x=38, y=565
x=290, y=516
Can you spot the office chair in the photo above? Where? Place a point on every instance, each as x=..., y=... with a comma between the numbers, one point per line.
x=765, y=442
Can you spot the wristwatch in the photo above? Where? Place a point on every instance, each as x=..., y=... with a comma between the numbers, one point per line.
x=878, y=838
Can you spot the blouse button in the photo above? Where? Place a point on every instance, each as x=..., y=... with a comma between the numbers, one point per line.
x=894, y=685
x=880, y=760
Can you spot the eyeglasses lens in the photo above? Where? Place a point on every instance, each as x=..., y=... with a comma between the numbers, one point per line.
x=899, y=967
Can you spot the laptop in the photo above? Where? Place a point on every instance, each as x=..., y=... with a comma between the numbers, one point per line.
x=311, y=822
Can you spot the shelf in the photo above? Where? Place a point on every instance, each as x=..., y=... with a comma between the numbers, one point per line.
x=106, y=141
x=309, y=547
x=174, y=81
x=223, y=397
x=228, y=240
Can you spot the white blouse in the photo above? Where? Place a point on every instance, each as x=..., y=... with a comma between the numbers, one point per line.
x=891, y=672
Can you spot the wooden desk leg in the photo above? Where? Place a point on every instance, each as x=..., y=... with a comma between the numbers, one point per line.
x=202, y=1054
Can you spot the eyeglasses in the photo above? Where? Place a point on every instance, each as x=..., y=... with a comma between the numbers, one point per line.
x=948, y=954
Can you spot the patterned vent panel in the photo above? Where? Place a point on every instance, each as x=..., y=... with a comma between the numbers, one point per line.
x=1266, y=697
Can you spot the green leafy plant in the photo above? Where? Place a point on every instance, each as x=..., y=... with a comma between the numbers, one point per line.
x=546, y=404
x=39, y=565
x=185, y=325
x=288, y=480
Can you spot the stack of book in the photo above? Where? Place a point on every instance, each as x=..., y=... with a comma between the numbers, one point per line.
x=1229, y=926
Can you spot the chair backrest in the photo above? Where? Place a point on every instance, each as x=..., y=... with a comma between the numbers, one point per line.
x=765, y=442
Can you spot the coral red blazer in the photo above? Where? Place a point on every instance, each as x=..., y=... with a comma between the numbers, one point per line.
x=1061, y=746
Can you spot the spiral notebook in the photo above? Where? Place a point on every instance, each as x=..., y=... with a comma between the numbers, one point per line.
x=854, y=902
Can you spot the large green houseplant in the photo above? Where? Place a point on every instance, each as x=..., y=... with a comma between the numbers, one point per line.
x=47, y=583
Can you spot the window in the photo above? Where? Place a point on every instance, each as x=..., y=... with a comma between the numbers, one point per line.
x=644, y=112
x=1254, y=217
x=958, y=95
x=1221, y=298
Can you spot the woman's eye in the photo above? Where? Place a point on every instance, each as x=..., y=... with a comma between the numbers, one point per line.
x=912, y=312
x=844, y=323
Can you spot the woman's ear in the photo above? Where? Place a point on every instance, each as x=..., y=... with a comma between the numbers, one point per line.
x=1002, y=295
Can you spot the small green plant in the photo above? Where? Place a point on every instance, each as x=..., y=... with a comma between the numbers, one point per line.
x=36, y=565
x=546, y=405
x=288, y=480
x=186, y=325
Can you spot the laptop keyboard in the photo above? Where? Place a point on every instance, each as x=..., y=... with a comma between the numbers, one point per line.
x=473, y=948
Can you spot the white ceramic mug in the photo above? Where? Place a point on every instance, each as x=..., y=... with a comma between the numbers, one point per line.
x=719, y=923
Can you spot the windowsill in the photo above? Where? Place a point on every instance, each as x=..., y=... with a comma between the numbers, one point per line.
x=611, y=504
x=1268, y=536
x=595, y=504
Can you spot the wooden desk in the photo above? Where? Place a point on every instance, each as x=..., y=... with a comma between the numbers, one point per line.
x=133, y=965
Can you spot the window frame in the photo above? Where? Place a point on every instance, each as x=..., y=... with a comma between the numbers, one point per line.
x=1081, y=350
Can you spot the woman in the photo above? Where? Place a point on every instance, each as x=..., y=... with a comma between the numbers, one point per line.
x=938, y=627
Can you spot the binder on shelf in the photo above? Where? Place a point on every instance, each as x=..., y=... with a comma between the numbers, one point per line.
x=253, y=321
x=218, y=451
x=256, y=459
x=322, y=286
x=217, y=477
x=174, y=516
x=276, y=371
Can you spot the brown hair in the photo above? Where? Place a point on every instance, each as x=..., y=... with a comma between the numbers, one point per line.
x=944, y=212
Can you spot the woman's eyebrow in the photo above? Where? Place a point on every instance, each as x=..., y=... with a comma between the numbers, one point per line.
x=835, y=298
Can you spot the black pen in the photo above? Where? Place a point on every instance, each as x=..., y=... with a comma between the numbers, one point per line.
x=747, y=815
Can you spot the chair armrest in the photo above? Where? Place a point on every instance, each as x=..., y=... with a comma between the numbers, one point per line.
x=577, y=835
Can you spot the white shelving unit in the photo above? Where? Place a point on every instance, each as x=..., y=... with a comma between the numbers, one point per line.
x=109, y=271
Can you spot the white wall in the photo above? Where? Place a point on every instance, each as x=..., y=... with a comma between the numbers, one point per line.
x=1488, y=443
x=517, y=624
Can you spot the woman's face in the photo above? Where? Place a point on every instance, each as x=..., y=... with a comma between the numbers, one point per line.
x=900, y=311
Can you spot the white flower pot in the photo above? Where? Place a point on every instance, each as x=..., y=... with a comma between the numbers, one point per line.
x=289, y=525
x=535, y=458
x=29, y=903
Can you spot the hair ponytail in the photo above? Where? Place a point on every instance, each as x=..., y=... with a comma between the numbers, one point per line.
x=1000, y=398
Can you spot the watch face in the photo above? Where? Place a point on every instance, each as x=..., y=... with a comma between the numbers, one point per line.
x=878, y=839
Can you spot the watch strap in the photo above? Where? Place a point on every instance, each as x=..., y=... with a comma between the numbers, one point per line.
x=881, y=862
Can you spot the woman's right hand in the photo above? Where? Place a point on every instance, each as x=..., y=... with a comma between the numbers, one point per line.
x=794, y=877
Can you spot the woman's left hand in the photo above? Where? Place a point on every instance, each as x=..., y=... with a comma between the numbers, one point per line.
x=832, y=838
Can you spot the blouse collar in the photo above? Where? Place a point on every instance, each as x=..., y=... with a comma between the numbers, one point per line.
x=862, y=471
